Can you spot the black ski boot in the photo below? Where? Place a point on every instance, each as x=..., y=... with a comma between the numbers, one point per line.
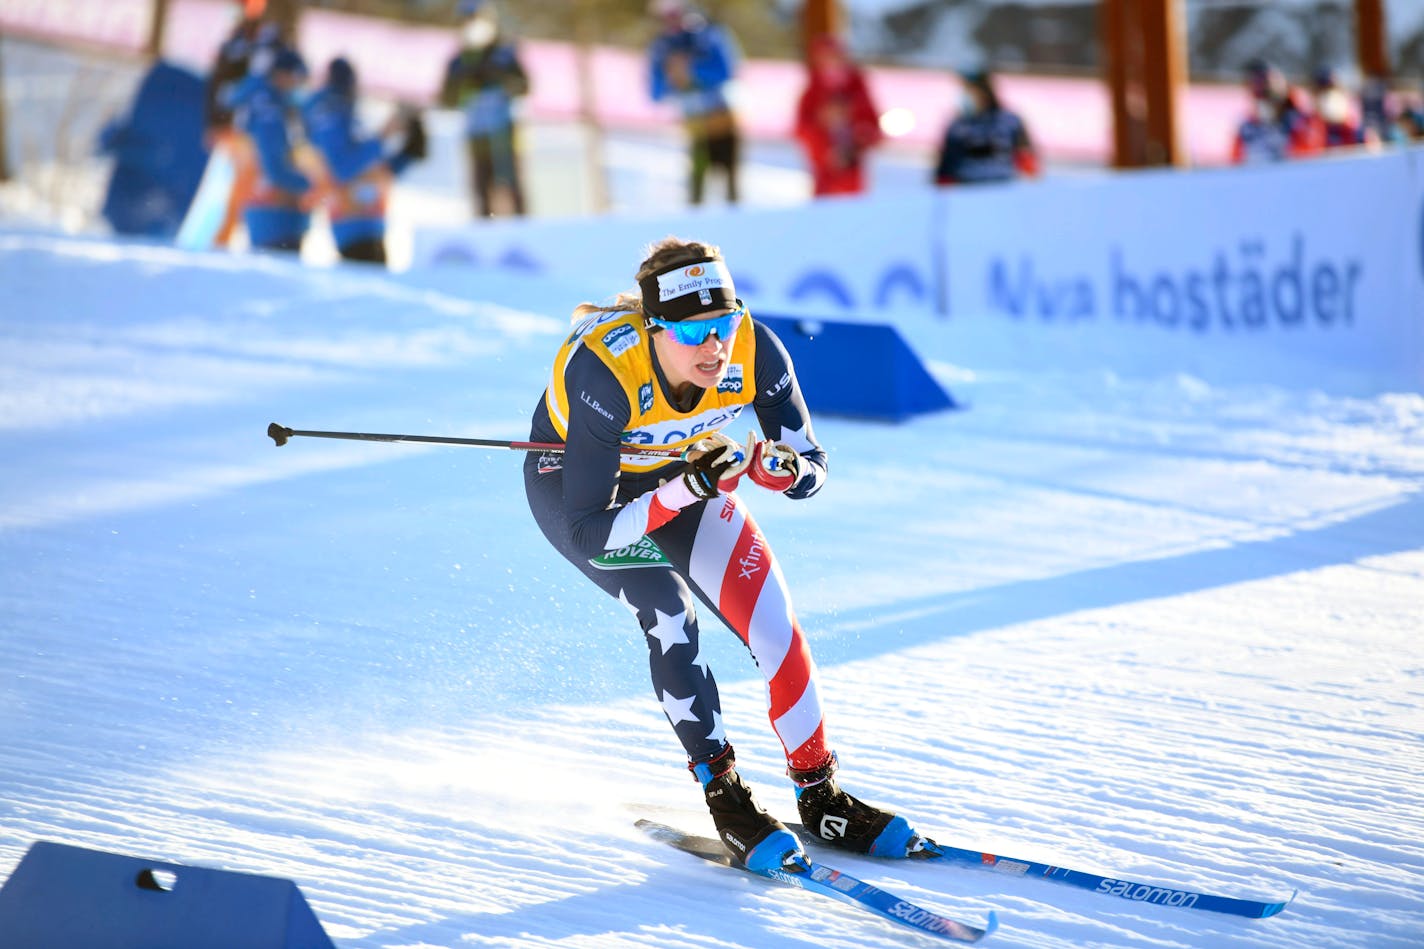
x=754, y=838
x=845, y=821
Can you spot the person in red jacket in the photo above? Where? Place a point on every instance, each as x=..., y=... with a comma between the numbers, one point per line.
x=836, y=121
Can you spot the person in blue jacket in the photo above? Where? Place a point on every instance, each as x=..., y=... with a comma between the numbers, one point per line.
x=279, y=211
x=359, y=170
x=691, y=61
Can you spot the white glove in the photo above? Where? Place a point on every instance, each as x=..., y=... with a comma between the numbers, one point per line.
x=714, y=465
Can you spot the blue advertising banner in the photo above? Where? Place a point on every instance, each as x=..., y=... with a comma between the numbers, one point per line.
x=856, y=258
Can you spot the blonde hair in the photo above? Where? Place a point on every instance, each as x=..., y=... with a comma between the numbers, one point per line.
x=659, y=255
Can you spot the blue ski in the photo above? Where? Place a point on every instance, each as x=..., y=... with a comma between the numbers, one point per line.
x=833, y=883
x=1123, y=889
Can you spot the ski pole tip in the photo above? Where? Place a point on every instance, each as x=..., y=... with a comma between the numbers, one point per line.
x=278, y=434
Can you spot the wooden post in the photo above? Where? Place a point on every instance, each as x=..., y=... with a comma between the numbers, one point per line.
x=1164, y=76
x=285, y=14
x=1144, y=61
x=587, y=29
x=157, y=24
x=1127, y=119
x=819, y=18
x=1371, y=38
x=4, y=148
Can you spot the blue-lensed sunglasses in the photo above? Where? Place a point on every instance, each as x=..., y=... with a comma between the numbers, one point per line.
x=695, y=332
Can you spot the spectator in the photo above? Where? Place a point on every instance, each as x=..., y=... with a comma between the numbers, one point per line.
x=483, y=80
x=1278, y=127
x=278, y=213
x=691, y=61
x=1411, y=117
x=249, y=47
x=836, y=121
x=358, y=168
x=1332, y=125
x=1379, y=117
x=985, y=142
x=251, y=38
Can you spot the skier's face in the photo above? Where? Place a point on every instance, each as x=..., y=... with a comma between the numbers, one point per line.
x=703, y=364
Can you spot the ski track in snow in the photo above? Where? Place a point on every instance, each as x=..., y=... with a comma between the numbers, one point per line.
x=1150, y=628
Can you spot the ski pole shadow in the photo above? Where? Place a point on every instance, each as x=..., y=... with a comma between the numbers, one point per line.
x=648, y=912
x=1396, y=528
x=573, y=916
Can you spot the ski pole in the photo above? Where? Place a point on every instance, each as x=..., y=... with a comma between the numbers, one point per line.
x=280, y=434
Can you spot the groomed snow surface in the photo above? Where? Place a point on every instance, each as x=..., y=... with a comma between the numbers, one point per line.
x=1155, y=628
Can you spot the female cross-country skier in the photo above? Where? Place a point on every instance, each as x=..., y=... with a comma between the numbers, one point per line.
x=668, y=367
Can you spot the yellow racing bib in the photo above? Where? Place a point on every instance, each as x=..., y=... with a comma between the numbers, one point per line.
x=621, y=341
